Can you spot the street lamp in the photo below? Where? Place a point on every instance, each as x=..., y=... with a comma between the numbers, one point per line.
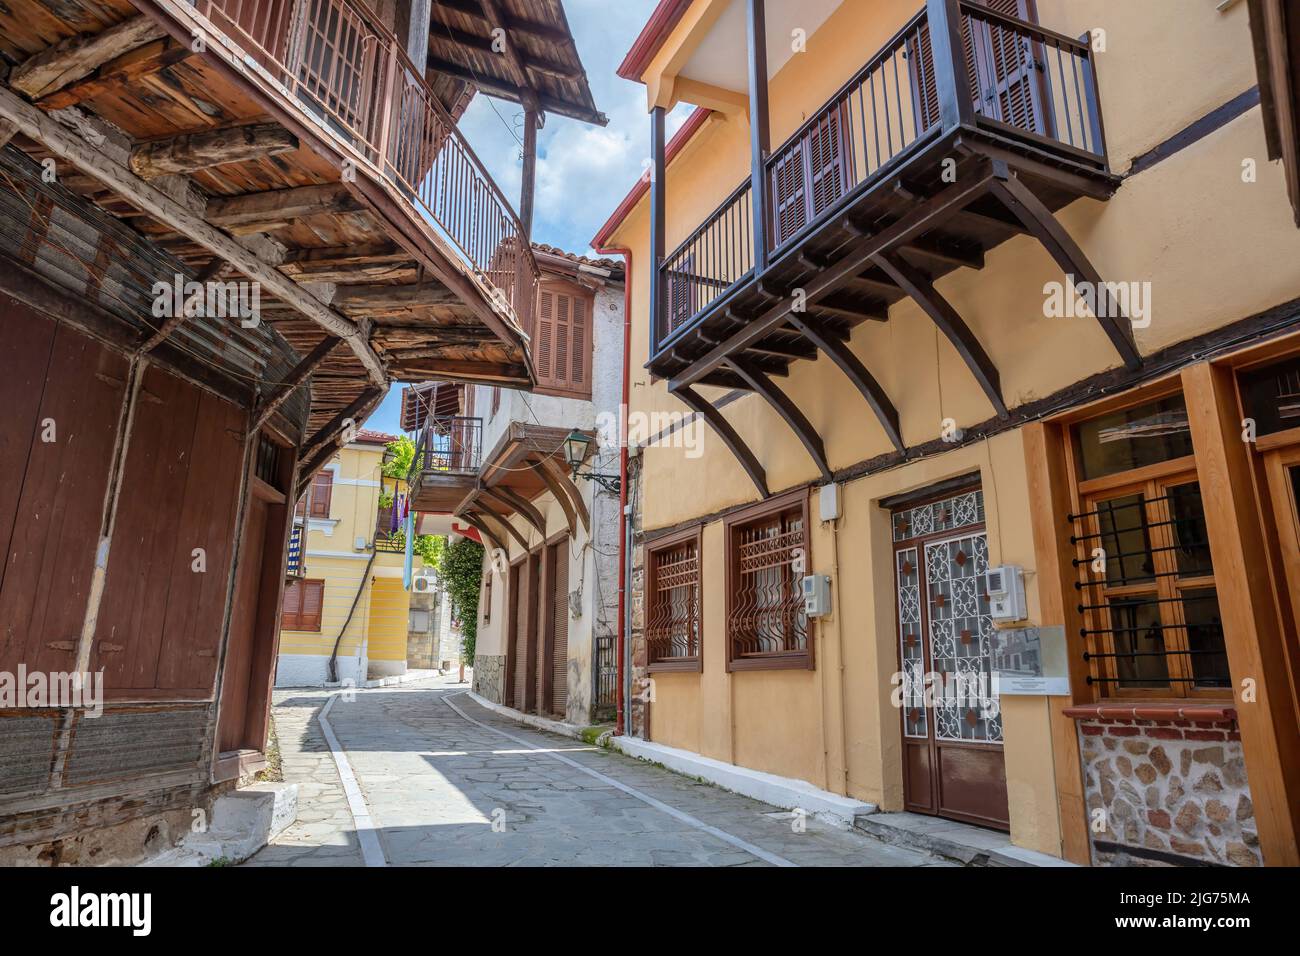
x=577, y=445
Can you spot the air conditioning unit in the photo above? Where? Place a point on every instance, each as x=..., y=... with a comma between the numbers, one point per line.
x=422, y=584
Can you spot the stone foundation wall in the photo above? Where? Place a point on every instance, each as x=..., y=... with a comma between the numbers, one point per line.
x=1167, y=793
x=488, y=671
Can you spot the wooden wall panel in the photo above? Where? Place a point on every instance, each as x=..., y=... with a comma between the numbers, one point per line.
x=51, y=550
x=159, y=626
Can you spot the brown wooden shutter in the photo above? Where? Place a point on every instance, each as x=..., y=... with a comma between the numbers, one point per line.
x=563, y=344
x=322, y=489
x=826, y=167
x=291, y=606
x=521, y=637
x=313, y=594
x=560, y=629
x=789, y=196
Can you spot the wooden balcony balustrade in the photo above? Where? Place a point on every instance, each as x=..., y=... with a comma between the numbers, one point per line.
x=333, y=57
x=971, y=125
x=448, y=453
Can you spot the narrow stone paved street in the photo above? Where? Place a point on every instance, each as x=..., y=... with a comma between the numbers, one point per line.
x=447, y=782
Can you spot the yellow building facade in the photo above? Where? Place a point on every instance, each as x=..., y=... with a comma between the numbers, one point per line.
x=349, y=603
x=978, y=469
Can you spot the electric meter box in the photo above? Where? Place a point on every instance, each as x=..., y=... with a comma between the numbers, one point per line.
x=1006, y=590
x=816, y=595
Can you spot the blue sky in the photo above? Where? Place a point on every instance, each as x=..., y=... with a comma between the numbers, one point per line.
x=582, y=171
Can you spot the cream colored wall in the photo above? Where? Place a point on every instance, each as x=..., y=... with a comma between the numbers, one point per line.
x=1215, y=248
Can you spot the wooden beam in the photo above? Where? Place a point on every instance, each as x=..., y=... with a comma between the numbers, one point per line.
x=969, y=186
x=760, y=144
x=306, y=365
x=335, y=426
x=211, y=271
x=488, y=513
x=1039, y=222
x=79, y=56
x=1058, y=601
x=329, y=448
x=950, y=323
x=838, y=352
x=559, y=494
x=787, y=409
x=363, y=298
x=128, y=68
x=1252, y=634
x=658, y=223
x=528, y=185
x=191, y=152
x=471, y=518
x=255, y=212
x=541, y=31
x=698, y=404
x=565, y=484
x=520, y=504
x=7, y=130
x=483, y=44
x=68, y=146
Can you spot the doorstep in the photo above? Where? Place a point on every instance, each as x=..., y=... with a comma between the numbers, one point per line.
x=242, y=822
x=785, y=792
x=962, y=842
x=409, y=677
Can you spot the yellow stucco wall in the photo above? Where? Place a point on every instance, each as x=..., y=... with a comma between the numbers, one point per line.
x=1215, y=248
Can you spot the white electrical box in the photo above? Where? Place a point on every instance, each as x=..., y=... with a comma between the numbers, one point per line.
x=828, y=502
x=816, y=595
x=1006, y=588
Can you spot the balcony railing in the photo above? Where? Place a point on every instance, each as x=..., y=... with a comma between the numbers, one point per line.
x=1023, y=81
x=449, y=445
x=355, y=77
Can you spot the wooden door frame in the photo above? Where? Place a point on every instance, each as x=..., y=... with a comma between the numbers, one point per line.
x=546, y=621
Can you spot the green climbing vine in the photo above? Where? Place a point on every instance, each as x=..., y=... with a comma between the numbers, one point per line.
x=460, y=569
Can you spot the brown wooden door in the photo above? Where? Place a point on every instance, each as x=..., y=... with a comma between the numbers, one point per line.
x=238, y=671
x=558, y=632
x=952, y=728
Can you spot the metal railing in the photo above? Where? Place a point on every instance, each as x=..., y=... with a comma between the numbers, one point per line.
x=1021, y=79
x=348, y=70
x=450, y=444
x=605, y=677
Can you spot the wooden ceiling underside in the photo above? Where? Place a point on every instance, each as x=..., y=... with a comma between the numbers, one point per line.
x=536, y=66
x=174, y=122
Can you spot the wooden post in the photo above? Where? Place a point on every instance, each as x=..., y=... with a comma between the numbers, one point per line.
x=417, y=31
x=1049, y=504
x=759, y=136
x=955, y=105
x=1252, y=634
x=657, y=207
x=530, y=173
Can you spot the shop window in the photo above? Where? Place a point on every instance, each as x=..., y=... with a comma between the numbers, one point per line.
x=767, y=555
x=672, y=628
x=1146, y=578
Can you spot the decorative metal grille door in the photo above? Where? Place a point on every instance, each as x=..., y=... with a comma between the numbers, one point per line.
x=951, y=721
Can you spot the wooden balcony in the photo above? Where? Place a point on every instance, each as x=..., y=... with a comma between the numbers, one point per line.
x=967, y=128
x=448, y=453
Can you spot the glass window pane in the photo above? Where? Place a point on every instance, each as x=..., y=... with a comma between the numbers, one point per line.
x=1205, y=638
x=1122, y=525
x=1134, y=437
x=1271, y=396
x=1139, y=643
x=1187, y=513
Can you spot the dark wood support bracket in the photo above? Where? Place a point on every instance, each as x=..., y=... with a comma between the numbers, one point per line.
x=512, y=499
x=697, y=403
x=787, y=409
x=485, y=513
x=472, y=519
x=839, y=353
x=562, y=487
x=1043, y=226
x=912, y=281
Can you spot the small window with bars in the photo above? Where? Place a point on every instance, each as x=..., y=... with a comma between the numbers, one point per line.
x=767, y=556
x=1152, y=626
x=673, y=628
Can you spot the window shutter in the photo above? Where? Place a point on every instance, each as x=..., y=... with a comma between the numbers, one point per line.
x=322, y=489
x=564, y=339
x=545, y=336
x=789, y=192
x=312, y=594
x=292, y=603
x=826, y=163
x=563, y=350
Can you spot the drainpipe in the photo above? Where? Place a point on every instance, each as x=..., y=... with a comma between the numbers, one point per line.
x=625, y=525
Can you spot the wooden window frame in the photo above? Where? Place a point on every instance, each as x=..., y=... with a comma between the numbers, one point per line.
x=1153, y=483
x=733, y=524
x=695, y=535
x=315, y=508
x=295, y=623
